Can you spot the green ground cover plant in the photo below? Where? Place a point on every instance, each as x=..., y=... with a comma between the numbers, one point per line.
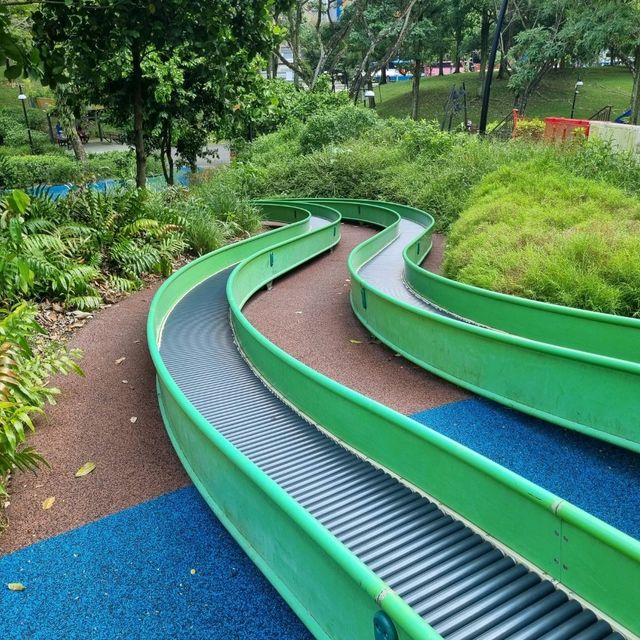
x=24, y=371
x=542, y=234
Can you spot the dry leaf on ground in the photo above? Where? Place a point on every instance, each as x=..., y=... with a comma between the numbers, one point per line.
x=86, y=468
x=47, y=503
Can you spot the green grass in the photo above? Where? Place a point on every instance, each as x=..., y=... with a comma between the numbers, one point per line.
x=535, y=232
x=602, y=86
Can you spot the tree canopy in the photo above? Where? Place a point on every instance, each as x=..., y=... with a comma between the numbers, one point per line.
x=150, y=63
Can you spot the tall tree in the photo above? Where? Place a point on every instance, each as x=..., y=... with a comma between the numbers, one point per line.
x=314, y=36
x=117, y=50
x=598, y=25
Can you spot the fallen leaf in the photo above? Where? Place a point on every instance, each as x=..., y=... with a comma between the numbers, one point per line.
x=57, y=307
x=48, y=502
x=355, y=341
x=125, y=381
x=86, y=468
x=133, y=419
x=15, y=586
x=121, y=360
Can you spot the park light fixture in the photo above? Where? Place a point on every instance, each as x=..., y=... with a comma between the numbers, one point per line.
x=23, y=99
x=369, y=96
x=576, y=91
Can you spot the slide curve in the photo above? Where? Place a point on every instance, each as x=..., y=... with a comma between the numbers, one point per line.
x=368, y=524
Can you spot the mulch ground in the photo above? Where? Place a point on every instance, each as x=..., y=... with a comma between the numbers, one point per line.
x=93, y=423
x=308, y=314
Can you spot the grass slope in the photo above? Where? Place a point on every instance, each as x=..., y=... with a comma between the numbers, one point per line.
x=557, y=238
x=602, y=86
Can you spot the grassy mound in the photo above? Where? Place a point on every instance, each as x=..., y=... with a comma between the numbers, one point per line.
x=534, y=232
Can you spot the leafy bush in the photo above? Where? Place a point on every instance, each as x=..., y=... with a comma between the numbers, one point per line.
x=24, y=171
x=23, y=392
x=215, y=214
x=64, y=249
x=21, y=171
x=532, y=130
x=332, y=127
x=552, y=237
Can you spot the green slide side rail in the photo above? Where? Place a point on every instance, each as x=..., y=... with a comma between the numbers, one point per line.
x=583, y=390
x=311, y=569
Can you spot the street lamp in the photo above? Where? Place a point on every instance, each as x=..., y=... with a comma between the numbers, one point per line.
x=369, y=97
x=23, y=98
x=575, y=95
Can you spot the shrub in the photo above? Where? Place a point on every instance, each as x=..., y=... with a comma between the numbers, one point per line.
x=64, y=249
x=215, y=213
x=531, y=130
x=24, y=171
x=332, y=127
x=23, y=378
x=552, y=237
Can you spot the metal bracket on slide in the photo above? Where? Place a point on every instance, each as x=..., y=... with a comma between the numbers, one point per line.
x=383, y=628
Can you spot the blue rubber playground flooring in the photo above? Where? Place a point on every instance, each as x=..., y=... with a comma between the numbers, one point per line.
x=129, y=575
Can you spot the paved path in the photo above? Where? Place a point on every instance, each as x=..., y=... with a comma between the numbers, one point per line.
x=221, y=151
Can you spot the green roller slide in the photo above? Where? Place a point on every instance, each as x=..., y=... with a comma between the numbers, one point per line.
x=369, y=524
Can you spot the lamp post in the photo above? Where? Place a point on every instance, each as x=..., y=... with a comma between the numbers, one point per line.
x=23, y=98
x=576, y=91
x=484, y=112
x=369, y=98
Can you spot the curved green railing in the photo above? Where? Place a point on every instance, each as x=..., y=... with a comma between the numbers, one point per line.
x=586, y=378
x=310, y=568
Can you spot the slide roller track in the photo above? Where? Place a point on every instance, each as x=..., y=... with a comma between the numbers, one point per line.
x=437, y=576
x=575, y=368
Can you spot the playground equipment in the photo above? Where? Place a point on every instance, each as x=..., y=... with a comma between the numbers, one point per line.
x=368, y=524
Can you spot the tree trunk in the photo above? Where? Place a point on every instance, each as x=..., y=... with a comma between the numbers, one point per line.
x=383, y=75
x=458, y=46
x=138, y=118
x=415, y=89
x=166, y=155
x=503, y=71
x=441, y=65
x=635, y=96
x=484, y=49
x=75, y=142
x=68, y=122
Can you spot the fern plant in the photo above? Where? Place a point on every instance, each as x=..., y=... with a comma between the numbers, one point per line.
x=23, y=386
x=65, y=249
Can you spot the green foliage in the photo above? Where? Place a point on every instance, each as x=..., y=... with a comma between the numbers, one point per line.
x=333, y=127
x=159, y=65
x=24, y=171
x=215, y=214
x=530, y=130
x=65, y=249
x=539, y=233
x=21, y=171
x=23, y=392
